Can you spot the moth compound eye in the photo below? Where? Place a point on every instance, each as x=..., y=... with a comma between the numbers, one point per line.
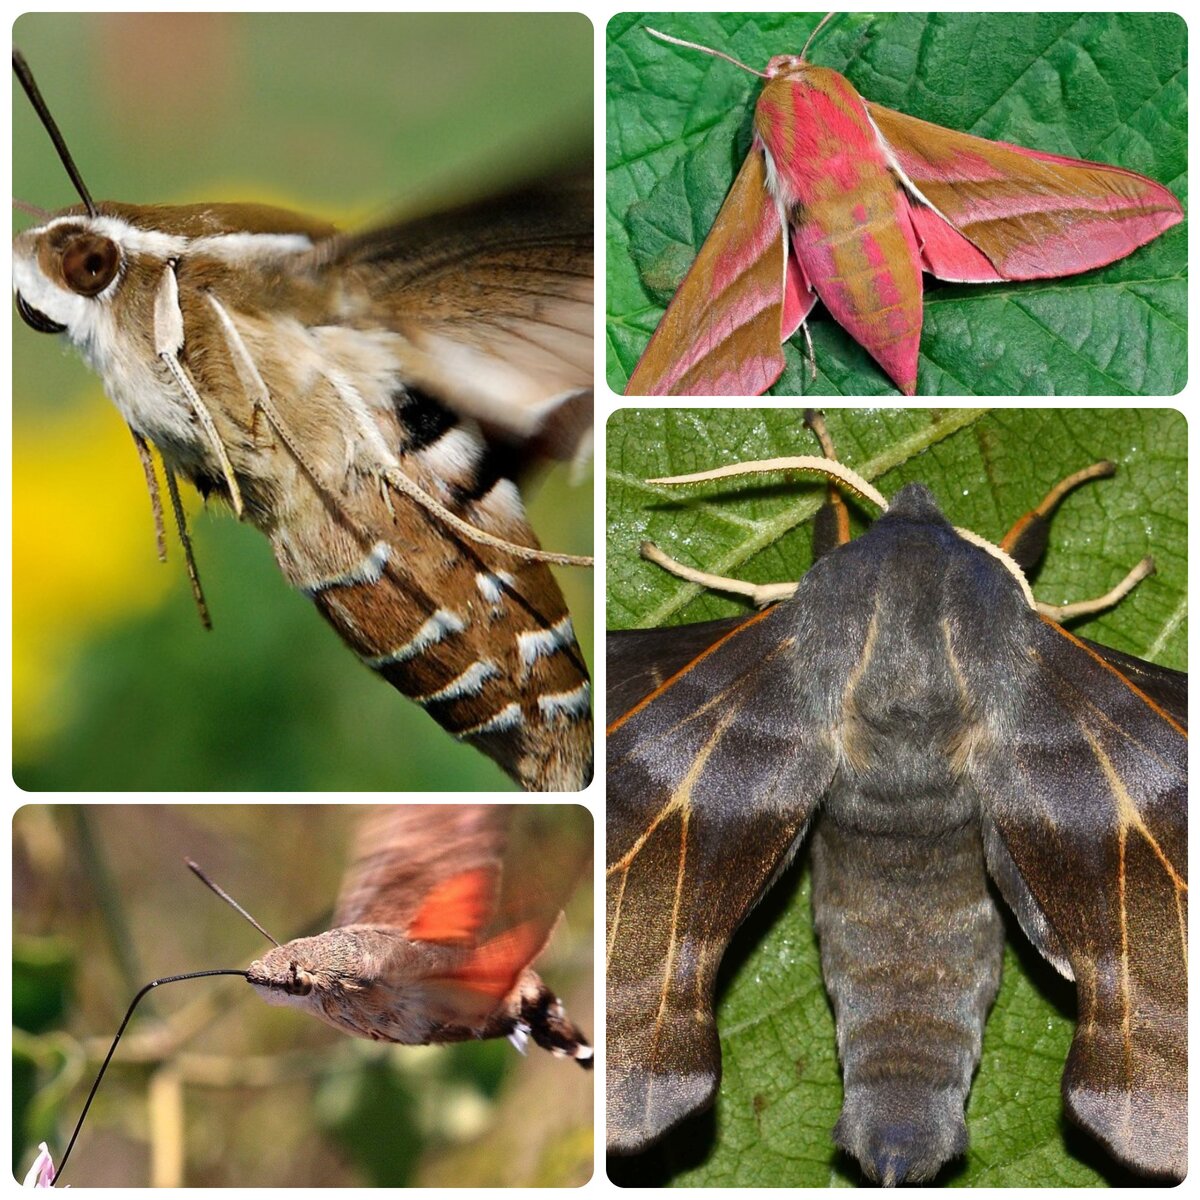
x=90, y=263
x=299, y=982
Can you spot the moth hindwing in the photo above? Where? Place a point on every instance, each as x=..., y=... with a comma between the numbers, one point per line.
x=908, y=691
x=369, y=401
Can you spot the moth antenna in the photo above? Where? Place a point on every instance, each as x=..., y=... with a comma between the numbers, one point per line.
x=25, y=75
x=666, y=37
x=759, y=594
x=1003, y=557
x=856, y=483
x=803, y=462
x=208, y=883
x=820, y=25
x=112, y=1050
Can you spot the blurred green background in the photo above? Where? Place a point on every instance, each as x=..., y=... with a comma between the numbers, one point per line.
x=353, y=118
x=211, y=1087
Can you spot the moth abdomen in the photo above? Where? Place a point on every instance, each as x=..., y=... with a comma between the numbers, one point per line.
x=478, y=638
x=911, y=943
x=422, y=418
x=541, y=1016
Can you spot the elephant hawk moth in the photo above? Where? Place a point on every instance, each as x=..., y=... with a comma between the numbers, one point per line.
x=911, y=714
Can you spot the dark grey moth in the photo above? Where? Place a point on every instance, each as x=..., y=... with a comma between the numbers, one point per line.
x=912, y=712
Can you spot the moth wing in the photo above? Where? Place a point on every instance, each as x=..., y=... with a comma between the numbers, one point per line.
x=549, y=851
x=639, y=660
x=712, y=778
x=1003, y=212
x=474, y=985
x=1166, y=688
x=722, y=333
x=426, y=866
x=495, y=302
x=1085, y=828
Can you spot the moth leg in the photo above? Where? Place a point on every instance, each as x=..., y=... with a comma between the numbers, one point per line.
x=810, y=354
x=401, y=482
x=189, y=558
x=1026, y=542
x=1081, y=608
x=156, y=509
x=168, y=343
x=832, y=525
x=160, y=533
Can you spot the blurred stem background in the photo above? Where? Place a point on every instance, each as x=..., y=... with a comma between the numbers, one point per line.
x=353, y=118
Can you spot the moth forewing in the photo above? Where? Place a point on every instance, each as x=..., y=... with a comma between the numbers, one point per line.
x=369, y=402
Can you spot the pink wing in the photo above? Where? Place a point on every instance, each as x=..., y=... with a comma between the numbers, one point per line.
x=722, y=334
x=1003, y=212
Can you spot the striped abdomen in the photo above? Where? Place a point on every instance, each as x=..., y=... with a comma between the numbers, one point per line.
x=478, y=638
x=911, y=943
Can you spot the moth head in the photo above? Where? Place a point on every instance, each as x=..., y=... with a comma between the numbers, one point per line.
x=784, y=64
x=306, y=972
x=288, y=974
x=65, y=270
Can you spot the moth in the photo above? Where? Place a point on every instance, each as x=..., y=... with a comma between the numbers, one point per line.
x=442, y=915
x=911, y=714
x=370, y=402
x=431, y=942
x=847, y=202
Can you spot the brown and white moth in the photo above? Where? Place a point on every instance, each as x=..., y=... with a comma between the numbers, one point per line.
x=443, y=915
x=910, y=717
x=367, y=401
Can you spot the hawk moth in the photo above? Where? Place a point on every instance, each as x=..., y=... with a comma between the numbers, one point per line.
x=757, y=1115
x=275, y=1098
x=374, y=121
x=1035, y=80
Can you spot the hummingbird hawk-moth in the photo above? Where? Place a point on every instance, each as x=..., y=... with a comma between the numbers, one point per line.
x=434, y=937
x=442, y=916
x=370, y=402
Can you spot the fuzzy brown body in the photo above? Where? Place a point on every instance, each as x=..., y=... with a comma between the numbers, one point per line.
x=438, y=925
x=342, y=379
x=372, y=982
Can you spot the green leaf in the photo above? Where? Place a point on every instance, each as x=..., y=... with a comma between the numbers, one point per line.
x=1110, y=87
x=781, y=1090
